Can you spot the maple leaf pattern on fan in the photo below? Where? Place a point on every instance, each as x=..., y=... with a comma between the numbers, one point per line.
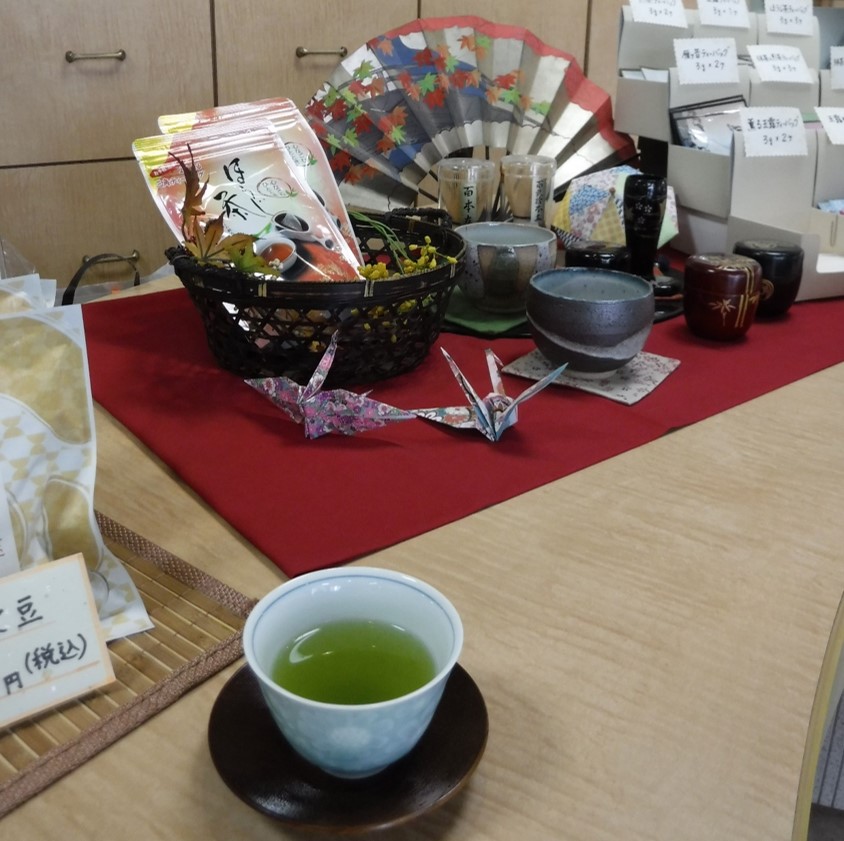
x=442, y=86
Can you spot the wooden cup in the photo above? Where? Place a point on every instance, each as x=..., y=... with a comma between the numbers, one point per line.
x=721, y=295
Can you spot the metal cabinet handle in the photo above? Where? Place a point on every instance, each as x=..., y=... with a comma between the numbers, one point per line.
x=301, y=52
x=70, y=56
x=89, y=262
x=114, y=258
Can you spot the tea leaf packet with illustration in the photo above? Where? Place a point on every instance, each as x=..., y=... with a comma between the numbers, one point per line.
x=299, y=140
x=48, y=460
x=251, y=183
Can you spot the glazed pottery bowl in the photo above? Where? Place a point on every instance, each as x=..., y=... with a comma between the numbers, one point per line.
x=594, y=319
x=351, y=739
x=501, y=258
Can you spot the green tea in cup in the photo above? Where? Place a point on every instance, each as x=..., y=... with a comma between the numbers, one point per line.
x=354, y=661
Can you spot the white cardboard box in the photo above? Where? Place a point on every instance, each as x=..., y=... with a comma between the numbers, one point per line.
x=700, y=233
x=646, y=44
x=641, y=106
x=742, y=37
x=802, y=95
x=809, y=45
x=774, y=200
x=830, y=98
x=702, y=180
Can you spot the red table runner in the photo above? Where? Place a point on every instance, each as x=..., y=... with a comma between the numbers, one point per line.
x=309, y=504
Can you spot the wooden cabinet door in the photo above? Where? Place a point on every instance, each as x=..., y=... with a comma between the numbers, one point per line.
x=562, y=25
x=56, y=215
x=257, y=42
x=602, y=63
x=55, y=110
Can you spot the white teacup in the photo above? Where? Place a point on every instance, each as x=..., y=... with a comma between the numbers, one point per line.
x=501, y=258
x=278, y=249
x=352, y=740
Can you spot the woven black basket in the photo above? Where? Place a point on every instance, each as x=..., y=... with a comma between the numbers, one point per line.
x=265, y=328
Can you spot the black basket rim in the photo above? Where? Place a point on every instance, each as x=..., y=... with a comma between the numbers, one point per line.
x=235, y=285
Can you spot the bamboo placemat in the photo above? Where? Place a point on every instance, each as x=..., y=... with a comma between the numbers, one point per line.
x=197, y=621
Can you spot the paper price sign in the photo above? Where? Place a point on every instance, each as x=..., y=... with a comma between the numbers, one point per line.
x=732, y=13
x=779, y=63
x=773, y=132
x=832, y=120
x=52, y=647
x=702, y=61
x=789, y=17
x=659, y=12
x=836, y=68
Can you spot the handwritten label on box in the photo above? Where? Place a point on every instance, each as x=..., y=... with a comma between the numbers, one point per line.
x=779, y=63
x=832, y=120
x=836, y=68
x=732, y=13
x=789, y=17
x=773, y=132
x=660, y=12
x=52, y=647
x=706, y=61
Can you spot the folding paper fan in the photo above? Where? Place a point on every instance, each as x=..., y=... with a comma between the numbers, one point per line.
x=447, y=86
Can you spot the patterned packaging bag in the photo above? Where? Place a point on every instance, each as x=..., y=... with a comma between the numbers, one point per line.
x=247, y=180
x=299, y=139
x=48, y=460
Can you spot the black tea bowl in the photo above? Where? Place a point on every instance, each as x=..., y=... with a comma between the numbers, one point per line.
x=594, y=319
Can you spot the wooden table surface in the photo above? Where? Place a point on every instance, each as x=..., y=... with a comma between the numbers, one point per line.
x=648, y=635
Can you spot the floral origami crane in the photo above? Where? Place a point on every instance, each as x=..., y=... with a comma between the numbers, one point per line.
x=322, y=412
x=492, y=414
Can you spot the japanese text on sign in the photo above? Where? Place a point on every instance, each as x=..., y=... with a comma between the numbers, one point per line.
x=836, y=68
x=789, y=17
x=702, y=61
x=52, y=648
x=773, y=132
x=732, y=13
x=832, y=120
x=660, y=12
x=779, y=63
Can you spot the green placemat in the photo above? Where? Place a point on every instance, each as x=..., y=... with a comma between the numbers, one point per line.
x=463, y=317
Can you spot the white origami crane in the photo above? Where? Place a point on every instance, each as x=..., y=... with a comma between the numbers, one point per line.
x=492, y=414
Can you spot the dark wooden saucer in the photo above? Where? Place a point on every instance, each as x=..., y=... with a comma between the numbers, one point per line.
x=260, y=767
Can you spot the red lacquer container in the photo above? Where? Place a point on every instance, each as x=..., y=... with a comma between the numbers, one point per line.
x=721, y=294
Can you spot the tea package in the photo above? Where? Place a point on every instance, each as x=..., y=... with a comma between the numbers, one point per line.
x=247, y=178
x=48, y=460
x=26, y=292
x=707, y=126
x=12, y=262
x=299, y=140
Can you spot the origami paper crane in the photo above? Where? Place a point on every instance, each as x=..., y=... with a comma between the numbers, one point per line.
x=492, y=414
x=322, y=412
